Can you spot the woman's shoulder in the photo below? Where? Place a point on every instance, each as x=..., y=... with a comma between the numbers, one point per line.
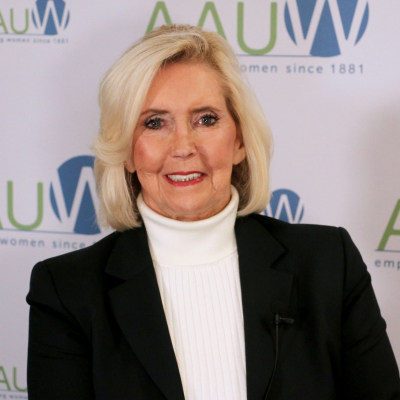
x=93, y=256
x=75, y=279
x=82, y=268
x=330, y=248
x=311, y=241
x=300, y=233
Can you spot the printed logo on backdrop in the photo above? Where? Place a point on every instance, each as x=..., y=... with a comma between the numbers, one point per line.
x=40, y=23
x=389, y=244
x=72, y=196
x=51, y=16
x=317, y=29
x=320, y=28
x=10, y=385
x=285, y=205
x=326, y=28
x=70, y=209
x=392, y=231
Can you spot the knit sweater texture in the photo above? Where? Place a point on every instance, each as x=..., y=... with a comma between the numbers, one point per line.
x=197, y=270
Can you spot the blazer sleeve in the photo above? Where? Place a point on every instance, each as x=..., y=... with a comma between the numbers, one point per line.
x=59, y=355
x=370, y=371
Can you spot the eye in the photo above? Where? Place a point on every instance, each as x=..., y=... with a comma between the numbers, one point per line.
x=154, y=123
x=208, y=120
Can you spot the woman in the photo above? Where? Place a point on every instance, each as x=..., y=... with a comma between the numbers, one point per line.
x=195, y=295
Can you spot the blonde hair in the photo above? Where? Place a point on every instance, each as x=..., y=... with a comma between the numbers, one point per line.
x=122, y=94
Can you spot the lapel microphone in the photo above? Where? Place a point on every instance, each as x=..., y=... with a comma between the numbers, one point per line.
x=278, y=320
x=282, y=320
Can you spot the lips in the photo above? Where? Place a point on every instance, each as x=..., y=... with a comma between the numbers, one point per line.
x=184, y=178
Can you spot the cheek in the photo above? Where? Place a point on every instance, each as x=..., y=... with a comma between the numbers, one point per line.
x=148, y=155
x=219, y=152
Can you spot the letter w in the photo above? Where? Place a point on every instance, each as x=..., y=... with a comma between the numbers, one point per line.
x=86, y=178
x=51, y=10
x=305, y=42
x=284, y=204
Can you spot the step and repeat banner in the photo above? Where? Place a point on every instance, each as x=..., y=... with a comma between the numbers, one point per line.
x=325, y=71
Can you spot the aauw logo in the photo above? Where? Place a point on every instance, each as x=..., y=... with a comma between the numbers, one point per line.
x=326, y=28
x=50, y=16
x=73, y=196
x=286, y=206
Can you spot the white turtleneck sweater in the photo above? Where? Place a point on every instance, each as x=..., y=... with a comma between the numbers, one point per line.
x=197, y=269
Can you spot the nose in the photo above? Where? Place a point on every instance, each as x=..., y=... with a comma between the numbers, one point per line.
x=183, y=142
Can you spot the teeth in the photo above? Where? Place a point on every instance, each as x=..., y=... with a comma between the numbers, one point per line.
x=184, y=178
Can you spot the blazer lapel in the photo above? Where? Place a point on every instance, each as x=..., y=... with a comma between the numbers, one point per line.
x=138, y=309
x=265, y=291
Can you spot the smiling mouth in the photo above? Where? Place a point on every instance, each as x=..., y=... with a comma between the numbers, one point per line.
x=184, y=178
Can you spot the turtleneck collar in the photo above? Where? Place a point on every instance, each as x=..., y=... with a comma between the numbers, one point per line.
x=181, y=243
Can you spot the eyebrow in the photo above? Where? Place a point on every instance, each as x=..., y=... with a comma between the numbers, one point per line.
x=195, y=110
x=154, y=111
x=206, y=108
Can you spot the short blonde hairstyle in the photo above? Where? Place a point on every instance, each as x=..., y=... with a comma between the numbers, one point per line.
x=122, y=95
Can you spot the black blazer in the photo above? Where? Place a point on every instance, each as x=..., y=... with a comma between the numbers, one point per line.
x=98, y=330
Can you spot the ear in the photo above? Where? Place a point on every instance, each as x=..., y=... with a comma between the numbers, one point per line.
x=239, y=152
x=130, y=166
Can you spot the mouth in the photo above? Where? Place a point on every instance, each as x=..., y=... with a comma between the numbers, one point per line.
x=184, y=178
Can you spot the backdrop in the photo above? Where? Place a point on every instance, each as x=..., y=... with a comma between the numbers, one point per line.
x=325, y=71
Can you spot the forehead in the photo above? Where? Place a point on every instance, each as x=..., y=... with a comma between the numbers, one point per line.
x=188, y=84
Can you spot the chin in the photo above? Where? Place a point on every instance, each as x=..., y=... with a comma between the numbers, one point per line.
x=186, y=210
x=191, y=208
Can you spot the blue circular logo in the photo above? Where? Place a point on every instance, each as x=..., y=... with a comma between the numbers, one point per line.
x=286, y=206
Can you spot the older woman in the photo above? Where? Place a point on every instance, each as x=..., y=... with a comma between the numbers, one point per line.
x=195, y=295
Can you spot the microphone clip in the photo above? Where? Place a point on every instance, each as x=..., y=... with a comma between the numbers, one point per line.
x=282, y=320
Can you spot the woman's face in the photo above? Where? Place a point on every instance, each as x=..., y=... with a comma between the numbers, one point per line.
x=185, y=144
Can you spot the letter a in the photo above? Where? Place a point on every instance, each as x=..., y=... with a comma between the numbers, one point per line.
x=390, y=231
x=210, y=6
x=160, y=6
x=4, y=380
x=2, y=23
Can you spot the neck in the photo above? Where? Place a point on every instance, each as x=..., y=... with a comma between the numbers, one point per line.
x=175, y=242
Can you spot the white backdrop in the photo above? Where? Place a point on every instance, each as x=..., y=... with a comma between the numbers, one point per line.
x=333, y=105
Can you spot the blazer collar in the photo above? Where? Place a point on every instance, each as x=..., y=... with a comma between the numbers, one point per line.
x=138, y=309
x=265, y=291
x=137, y=305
